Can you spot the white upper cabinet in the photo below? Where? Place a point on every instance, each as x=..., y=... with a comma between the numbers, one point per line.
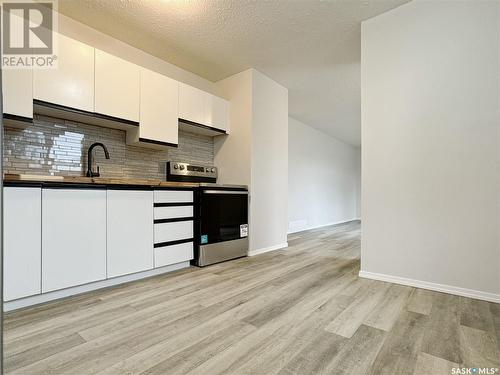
x=129, y=231
x=22, y=242
x=117, y=87
x=18, y=92
x=219, y=113
x=159, y=111
x=203, y=108
x=107, y=89
x=193, y=104
x=72, y=83
x=73, y=237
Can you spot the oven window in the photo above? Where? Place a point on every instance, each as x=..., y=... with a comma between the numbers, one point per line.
x=222, y=216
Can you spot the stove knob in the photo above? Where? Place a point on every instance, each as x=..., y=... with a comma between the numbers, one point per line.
x=176, y=166
x=212, y=170
x=181, y=167
x=207, y=170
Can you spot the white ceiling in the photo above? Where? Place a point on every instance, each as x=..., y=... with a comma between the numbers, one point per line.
x=311, y=47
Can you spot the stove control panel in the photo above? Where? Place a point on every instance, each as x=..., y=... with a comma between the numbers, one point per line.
x=178, y=171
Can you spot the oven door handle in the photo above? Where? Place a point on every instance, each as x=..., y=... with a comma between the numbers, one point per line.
x=225, y=192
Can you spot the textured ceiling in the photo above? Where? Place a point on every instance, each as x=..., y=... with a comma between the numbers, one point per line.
x=311, y=47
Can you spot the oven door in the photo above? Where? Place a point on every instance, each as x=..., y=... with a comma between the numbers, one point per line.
x=223, y=225
x=223, y=215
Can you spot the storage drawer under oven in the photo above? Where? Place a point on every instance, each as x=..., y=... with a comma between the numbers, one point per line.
x=173, y=231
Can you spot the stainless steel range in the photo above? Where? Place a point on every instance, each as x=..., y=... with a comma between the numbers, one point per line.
x=221, y=213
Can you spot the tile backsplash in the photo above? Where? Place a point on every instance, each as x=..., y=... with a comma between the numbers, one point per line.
x=54, y=146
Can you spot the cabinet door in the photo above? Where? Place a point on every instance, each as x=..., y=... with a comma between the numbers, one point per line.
x=73, y=237
x=193, y=104
x=72, y=83
x=22, y=242
x=117, y=84
x=129, y=231
x=219, y=113
x=18, y=92
x=159, y=107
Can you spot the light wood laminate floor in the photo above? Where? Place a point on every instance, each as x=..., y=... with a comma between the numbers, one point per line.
x=301, y=310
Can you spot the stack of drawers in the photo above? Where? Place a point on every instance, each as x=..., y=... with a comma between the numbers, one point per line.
x=173, y=226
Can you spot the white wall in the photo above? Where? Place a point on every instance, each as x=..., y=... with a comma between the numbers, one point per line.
x=256, y=153
x=358, y=184
x=233, y=152
x=269, y=202
x=430, y=75
x=323, y=179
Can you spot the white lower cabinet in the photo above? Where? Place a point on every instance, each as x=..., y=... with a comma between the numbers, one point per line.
x=58, y=237
x=129, y=231
x=73, y=237
x=22, y=246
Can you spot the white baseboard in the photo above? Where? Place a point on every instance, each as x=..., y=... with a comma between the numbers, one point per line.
x=68, y=292
x=476, y=294
x=321, y=225
x=267, y=249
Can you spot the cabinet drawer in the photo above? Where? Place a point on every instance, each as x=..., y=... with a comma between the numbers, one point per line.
x=178, y=230
x=173, y=196
x=173, y=254
x=173, y=212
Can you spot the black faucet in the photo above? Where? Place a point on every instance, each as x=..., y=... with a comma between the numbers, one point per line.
x=90, y=172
